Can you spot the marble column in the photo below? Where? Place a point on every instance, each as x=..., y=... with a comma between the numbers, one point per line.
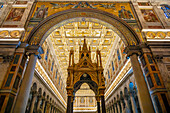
x=134, y=107
x=52, y=108
x=115, y=108
x=69, y=104
x=110, y=109
x=43, y=107
x=122, y=105
x=144, y=96
x=34, y=96
x=127, y=109
x=48, y=108
x=118, y=107
x=24, y=91
x=39, y=102
x=103, y=104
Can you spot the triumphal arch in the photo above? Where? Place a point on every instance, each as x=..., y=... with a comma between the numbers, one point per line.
x=85, y=71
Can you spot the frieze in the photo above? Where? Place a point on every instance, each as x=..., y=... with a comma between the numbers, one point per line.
x=10, y=34
x=157, y=35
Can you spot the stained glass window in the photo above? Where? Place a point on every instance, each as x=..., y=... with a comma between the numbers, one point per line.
x=153, y=68
x=52, y=66
x=158, y=106
x=118, y=54
x=16, y=83
x=46, y=55
x=146, y=70
x=158, y=82
x=16, y=59
x=9, y=80
x=108, y=74
x=143, y=61
x=59, y=80
x=56, y=74
x=166, y=9
x=149, y=59
x=113, y=66
x=61, y=85
x=150, y=81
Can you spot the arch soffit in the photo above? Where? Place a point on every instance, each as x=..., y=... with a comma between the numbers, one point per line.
x=79, y=83
x=47, y=26
x=91, y=74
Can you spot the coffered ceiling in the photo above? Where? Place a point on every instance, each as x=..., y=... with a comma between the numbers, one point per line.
x=71, y=36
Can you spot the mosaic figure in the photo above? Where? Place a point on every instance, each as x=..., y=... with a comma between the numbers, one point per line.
x=15, y=14
x=149, y=15
x=125, y=14
x=41, y=12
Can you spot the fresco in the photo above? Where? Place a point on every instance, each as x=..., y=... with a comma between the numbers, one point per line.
x=149, y=15
x=15, y=14
x=122, y=10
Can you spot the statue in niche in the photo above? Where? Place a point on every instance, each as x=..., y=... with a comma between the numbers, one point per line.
x=125, y=14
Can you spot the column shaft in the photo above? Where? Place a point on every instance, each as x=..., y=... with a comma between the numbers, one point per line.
x=38, y=104
x=71, y=107
x=69, y=104
x=23, y=94
x=98, y=107
x=43, y=107
x=127, y=109
x=134, y=107
x=118, y=107
x=32, y=103
x=116, y=111
x=144, y=96
x=103, y=104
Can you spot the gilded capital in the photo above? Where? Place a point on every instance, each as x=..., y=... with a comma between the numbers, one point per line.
x=130, y=50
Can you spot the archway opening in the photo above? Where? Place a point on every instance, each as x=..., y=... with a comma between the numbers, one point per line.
x=60, y=39
x=84, y=97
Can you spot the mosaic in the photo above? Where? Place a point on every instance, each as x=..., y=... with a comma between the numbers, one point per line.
x=43, y=9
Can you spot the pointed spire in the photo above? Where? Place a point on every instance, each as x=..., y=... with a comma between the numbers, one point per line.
x=84, y=45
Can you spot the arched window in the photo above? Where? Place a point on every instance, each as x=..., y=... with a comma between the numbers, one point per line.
x=108, y=74
x=113, y=66
x=56, y=74
x=61, y=84
x=46, y=55
x=118, y=54
x=59, y=80
x=52, y=65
